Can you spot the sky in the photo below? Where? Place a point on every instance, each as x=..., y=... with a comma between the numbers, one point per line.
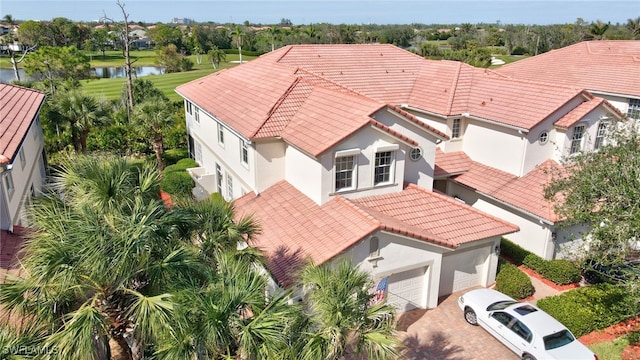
x=528, y=12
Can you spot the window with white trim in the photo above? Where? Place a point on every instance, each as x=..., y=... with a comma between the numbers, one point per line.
x=634, y=109
x=244, y=152
x=198, y=152
x=220, y=134
x=576, y=139
x=197, y=116
x=8, y=183
x=345, y=172
x=23, y=159
x=229, y=186
x=383, y=167
x=544, y=137
x=600, y=133
x=189, y=107
x=219, y=178
x=456, y=129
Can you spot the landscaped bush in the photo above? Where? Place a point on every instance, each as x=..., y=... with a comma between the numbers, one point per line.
x=590, y=308
x=561, y=272
x=178, y=183
x=634, y=337
x=512, y=251
x=181, y=165
x=172, y=156
x=519, y=51
x=513, y=282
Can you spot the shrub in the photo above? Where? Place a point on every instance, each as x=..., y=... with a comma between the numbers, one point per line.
x=181, y=165
x=589, y=308
x=177, y=183
x=513, y=252
x=634, y=337
x=513, y=282
x=561, y=272
x=519, y=51
x=172, y=156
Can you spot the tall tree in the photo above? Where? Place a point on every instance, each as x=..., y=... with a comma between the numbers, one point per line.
x=154, y=118
x=216, y=56
x=602, y=189
x=9, y=40
x=598, y=29
x=81, y=112
x=57, y=64
x=633, y=25
x=237, y=34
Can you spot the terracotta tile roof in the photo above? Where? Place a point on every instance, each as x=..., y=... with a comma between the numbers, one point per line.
x=295, y=229
x=432, y=217
x=579, y=112
x=611, y=66
x=451, y=163
x=420, y=123
x=18, y=109
x=525, y=193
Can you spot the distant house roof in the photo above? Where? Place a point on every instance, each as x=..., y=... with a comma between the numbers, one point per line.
x=609, y=66
x=296, y=229
x=266, y=95
x=525, y=193
x=19, y=107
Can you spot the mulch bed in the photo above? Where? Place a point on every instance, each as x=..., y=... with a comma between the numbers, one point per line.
x=631, y=352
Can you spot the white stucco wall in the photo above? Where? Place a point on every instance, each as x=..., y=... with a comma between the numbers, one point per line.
x=534, y=235
x=269, y=163
x=493, y=145
x=591, y=122
x=305, y=174
x=25, y=178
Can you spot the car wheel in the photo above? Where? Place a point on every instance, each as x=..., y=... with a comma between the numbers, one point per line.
x=470, y=316
x=528, y=357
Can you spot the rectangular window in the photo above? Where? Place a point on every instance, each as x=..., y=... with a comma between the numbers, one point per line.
x=8, y=183
x=374, y=247
x=602, y=129
x=345, y=172
x=229, y=187
x=576, y=140
x=189, y=108
x=220, y=134
x=199, y=152
x=244, y=152
x=382, y=173
x=455, y=129
x=219, y=178
x=197, y=117
x=23, y=159
x=634, y=109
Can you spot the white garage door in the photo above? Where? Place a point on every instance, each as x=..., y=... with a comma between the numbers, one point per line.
x=463, y=270
x=406, y=289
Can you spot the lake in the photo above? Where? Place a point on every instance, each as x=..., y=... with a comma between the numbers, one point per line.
x=7, y=76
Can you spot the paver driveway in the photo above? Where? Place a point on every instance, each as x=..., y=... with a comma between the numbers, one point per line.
x=443, y=334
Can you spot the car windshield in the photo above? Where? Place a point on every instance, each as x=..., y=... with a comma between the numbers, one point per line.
x=500, y=305
x=561, y=338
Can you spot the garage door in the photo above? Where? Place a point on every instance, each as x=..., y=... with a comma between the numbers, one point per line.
x=463, y=270
x=406, y=289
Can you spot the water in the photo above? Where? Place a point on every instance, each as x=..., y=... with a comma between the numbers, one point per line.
x=7, y=76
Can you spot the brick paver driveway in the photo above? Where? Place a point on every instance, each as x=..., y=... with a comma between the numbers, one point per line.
x=443, y=334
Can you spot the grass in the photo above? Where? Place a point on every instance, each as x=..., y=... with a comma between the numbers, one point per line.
x=610, y=350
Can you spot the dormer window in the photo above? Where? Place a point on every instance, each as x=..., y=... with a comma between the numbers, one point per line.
x=576, y=140
x=346, y=169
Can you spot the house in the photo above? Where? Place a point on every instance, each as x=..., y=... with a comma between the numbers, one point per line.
x=607, y=68
x=312, y=141
x=22, y=156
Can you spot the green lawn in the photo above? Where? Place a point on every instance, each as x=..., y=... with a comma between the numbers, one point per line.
x=610, y=350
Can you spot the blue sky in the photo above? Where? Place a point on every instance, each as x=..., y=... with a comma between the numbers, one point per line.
x=541, y=12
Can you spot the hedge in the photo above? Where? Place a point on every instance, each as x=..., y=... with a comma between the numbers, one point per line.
x=181, y=165
x=513, y=282
x=177, y=183
x=590, y=308
x=172, y=156
x=513, y=252
x=559, y=271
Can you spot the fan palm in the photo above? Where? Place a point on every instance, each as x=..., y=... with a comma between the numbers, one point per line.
x=216, y=56
x=82, y=112
x=154, y=117
x=340, y=315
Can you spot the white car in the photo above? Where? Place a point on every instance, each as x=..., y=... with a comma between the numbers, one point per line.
x=522, y=327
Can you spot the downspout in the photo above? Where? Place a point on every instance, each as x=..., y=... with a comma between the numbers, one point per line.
x=524, y=152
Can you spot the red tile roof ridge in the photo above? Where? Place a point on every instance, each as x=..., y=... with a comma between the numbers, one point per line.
x=351, y=205
x=419, y=122
x=577, y=89
x=462, y=205
x=454, y=87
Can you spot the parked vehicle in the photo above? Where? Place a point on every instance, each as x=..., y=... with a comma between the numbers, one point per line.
x=522, y=327
x=595, y=272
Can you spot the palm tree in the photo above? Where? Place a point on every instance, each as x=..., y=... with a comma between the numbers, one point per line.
x=597, y=29
x=340, y=315
x=633, y=25
x=273, y=33
x=154, y=117
x=216, y=56
x=82, y=112
x=237, y=34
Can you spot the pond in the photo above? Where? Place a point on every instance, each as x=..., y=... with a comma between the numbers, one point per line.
x=7, y=76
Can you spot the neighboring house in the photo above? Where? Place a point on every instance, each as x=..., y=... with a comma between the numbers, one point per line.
x=22, y=156
x=313, y=142
x=606, y=68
